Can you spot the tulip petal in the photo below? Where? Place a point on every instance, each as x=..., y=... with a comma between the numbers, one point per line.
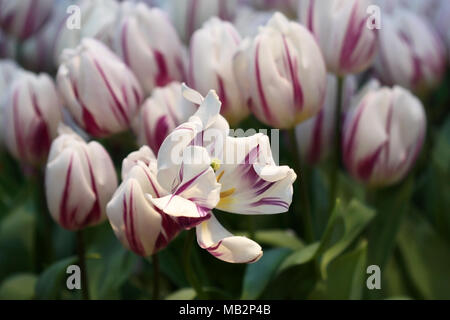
x=140, y=226
x=213, y=237
x=251, y=182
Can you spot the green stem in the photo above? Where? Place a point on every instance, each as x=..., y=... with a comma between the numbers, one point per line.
x=334, y=175
x=82, y=263
x=300, y=186
x=251, y=227
x=44, y=223
x=155, y=261
x=193, y=280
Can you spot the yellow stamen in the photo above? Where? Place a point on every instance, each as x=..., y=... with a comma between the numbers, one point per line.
x=227, y=193
x=215, y=164
x=220, y=176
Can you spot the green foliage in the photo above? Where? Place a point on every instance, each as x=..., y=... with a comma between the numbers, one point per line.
x=18, y=287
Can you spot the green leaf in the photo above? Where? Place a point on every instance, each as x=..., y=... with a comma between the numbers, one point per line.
x=52, y=281
x=259, y=274
x=300, y=257
x=182, y=294
x=426, y=258
x=113, y=266
x=18, y=287
x=346, y=223
x=347, y=274
x=391, y=206
x=279, y=238
x=17, y=232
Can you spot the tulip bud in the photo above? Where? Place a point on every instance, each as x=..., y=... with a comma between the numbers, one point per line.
x=138, y=224
x=411, y=54
x=38, y=51
x=189, y=15
x=283, y=73
x=79, y=181
x=100, y=91
x=161, y=114
x=31, y=116
x=342, y=31
x=96, y=19
x=215, y=71
x=24, y=17
x=148, y=43
x=383, y=135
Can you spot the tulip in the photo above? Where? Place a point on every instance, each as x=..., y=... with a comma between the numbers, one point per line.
x=23, y=18
x=215, y=71
x=282, y=73
x=145, y=216
x=411, y=54
x=79, y=181
x=38, y=50
x=341, y=29
x=31, y=117
x=189, y=15
x=161, y=114
x=250, y=181
x=383, y=135
x=97, y=19
x=148, y=43
x=100, y=91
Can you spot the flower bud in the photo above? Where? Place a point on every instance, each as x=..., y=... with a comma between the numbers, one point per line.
x=383, y=135
x=215, y=71
x=342, y=31
x=411, y=53
x=79, y=181
x=189, y=15
x=31, y=116
x=101, y=93
x=95, y=19
x=24, y=17
x=148, y=43
x=161, y=114
x=38, y=51
x=282, y=73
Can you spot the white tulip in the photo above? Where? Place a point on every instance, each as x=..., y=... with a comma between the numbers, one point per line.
x=148, y=43
x=383, y=135
x=31, y=114
x=24, y=17
x=411, y=54
x=282, y=73
x=99, y=90
x=79, y=181
x=211, y=66
x=96, y=18
x=341, y=29
x=161, y=114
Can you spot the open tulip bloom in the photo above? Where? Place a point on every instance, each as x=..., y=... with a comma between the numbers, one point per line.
x=199, y=168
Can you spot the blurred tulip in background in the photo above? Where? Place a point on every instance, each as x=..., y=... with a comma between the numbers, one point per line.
x=272, y=69
x=99, y=90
